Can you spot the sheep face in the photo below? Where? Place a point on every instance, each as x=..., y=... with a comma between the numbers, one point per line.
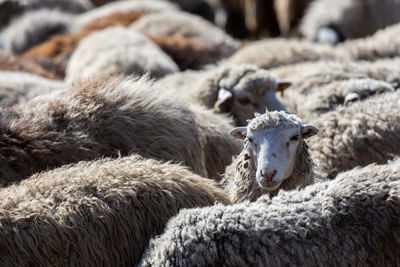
x=273, y=145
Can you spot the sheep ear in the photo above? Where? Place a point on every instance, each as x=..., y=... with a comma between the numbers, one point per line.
x=224, y=101
x=282, y=85
x=239, y=132
x=308, y=130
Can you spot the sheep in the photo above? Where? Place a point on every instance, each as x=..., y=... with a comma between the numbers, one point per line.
x=329, y=97
x=100, y=213
x=237, y=90
x=313, y=92
x=185, y=52
x=148, y=6
x=351, y=221
x=10, y=9
x=33, y=28
x=66, y=43
x=272, y=53
x=106, y=116
x=289, y=13
x=275, y=156
x=18, y=87
x=348, y=19
x=9, y=62
x=189, y=26
x=118, y=50
x=362, y=133
x=279, y=52
x=383, y=44
x=56, y=52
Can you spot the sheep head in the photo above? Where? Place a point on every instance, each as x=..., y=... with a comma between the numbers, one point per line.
x=274, y=141
x=245, y=89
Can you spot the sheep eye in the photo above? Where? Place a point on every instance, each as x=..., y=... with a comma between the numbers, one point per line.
x=250, y=140
x=244, y=101
x=294, y=138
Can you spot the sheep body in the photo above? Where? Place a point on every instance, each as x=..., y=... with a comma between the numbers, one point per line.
x=272, y=53
x=148, y=6
x=100, y=117
x=118, y=50
x=362, y=133
x=33, y=28
x=10, y=62
x=280, y=52
x=350, y=18
x=99, y=213
x=325, y=98
x=18, y=87
x=353, y=220
x=189, y=26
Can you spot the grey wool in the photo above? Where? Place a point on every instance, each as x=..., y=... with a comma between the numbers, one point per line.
x=18, y=87
x=350, y=18
x=118, y=50
x=351, y=221
x=99, y=213
x=104, y=117
x=362, y=133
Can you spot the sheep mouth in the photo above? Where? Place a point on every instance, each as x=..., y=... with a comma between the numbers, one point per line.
x=268, y=185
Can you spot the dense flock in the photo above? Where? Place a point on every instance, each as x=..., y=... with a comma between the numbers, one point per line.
x=199, y=133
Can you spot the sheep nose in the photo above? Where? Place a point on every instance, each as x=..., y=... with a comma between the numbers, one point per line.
x=268, y=177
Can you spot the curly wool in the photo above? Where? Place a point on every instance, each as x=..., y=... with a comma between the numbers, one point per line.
x=99, y=213
x=351, y=221
x=363, y=133
x=98, y=118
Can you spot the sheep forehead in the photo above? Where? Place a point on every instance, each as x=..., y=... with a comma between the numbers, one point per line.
x=274, y=120
x=247, y=78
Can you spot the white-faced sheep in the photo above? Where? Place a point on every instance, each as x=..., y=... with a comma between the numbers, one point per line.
x=362, y=133
x=189, y=26
x=18, y=87
x=34, y=28
x=351, y=221
x=100, y=213
x=107, y=116
x=275, y=156
x=118, y=50
x=238, y=90
x=330, y=21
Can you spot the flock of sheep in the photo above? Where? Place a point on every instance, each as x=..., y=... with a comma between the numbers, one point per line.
x=138, y=132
